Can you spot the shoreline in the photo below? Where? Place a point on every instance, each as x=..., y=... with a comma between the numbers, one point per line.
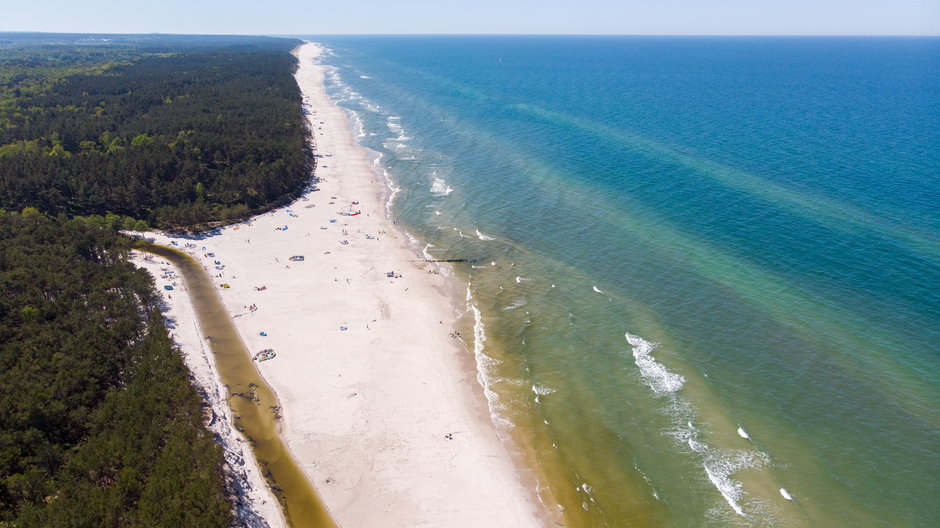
x=255, y=503
x=381, y=406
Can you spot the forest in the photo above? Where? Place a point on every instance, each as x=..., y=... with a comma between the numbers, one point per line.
x=181, y=133
x=99, y=423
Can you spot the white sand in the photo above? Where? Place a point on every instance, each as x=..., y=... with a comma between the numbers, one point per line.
x=366, y=409
x=255, y=505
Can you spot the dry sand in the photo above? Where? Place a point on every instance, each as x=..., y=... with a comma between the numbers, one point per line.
x=381, y=405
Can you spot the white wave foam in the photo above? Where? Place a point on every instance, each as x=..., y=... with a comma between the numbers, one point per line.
x=439, y=187
x=728, y=488
x=786, y=494
x=427, y=256
x=657, y=376
x=364, y=77
x=598, y=290
x=481, y=236
x=697, y=446
x=392, y=195
x=542, y=390
x=484, y=368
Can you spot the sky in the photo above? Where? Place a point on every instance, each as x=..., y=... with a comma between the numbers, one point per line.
x=619, y=17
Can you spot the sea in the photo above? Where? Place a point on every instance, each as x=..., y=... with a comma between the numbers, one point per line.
x=699, y=276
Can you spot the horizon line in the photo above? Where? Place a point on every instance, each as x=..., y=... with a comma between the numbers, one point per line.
x=294, y=35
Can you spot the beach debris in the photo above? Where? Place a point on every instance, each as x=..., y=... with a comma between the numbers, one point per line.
x=344, y=327
x=260, y=288
x=225, y=285
x=263, y=333
x=297, y=258
x=253, y=308
x=168, y=287
x=332, y=220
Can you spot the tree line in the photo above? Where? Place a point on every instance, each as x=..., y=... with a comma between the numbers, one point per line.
x=99, y=423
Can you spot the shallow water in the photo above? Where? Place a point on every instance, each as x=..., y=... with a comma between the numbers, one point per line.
x=705, y=268
x=251, y=399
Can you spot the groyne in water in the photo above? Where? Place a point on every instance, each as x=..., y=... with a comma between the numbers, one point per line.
x=254, y=405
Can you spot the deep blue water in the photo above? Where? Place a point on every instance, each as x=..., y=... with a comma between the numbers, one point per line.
x=683, y=242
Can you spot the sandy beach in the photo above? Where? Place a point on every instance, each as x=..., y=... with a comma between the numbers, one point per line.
x=380, y=400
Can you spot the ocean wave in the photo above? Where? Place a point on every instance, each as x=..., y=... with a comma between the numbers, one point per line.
x=484, y=368
x=720, y=465
x=656, y=375
x=481, y=236
x=364, y=77
x=542, y=390
x=728, y=488
x=395, y=189
x=439, y=187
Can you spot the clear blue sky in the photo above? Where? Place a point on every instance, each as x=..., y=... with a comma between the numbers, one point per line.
x=700, y=17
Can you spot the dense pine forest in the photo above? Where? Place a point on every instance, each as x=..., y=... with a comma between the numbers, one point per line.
x=99, y=424
x=178, y=132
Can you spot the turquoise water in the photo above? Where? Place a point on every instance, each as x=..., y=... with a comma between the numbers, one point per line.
x=705, y=269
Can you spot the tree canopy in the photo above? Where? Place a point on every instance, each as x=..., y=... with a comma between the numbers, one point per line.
x=178, y=133
x=101, y=426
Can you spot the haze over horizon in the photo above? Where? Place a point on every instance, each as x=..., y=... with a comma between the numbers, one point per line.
x=586, y=17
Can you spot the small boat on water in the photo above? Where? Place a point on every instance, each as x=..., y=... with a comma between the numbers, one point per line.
x=265, y=354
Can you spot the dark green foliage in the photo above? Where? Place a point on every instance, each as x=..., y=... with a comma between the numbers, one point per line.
x=176, y=132
x=100, y=425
